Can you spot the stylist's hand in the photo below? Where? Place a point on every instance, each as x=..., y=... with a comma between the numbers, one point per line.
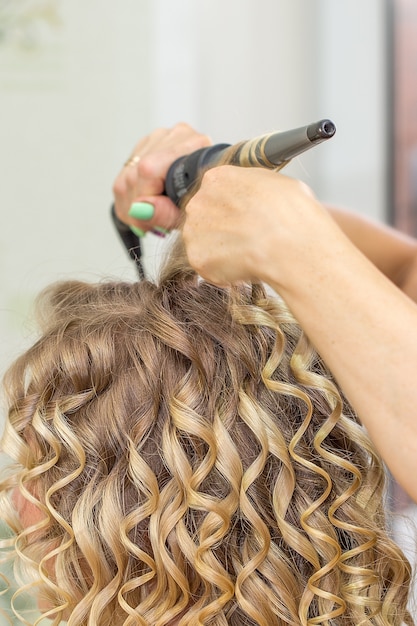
x=138, y=187
x=249, y=224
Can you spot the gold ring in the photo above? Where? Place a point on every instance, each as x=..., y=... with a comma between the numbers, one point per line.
x=132, y=161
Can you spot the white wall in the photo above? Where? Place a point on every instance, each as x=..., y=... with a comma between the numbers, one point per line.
x=74, y=94
x=242, y=68
x=81, y=80
x=353, y=87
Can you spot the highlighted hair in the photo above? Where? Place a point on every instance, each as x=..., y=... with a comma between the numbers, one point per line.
x=191, y=458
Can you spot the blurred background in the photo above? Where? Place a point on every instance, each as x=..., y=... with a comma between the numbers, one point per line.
x=82, y=80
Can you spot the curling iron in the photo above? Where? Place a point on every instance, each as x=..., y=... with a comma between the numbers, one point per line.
x=271, y=151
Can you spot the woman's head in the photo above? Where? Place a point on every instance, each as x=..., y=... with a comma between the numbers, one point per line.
x=190, y=458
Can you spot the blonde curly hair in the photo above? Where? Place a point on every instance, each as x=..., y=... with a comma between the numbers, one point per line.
x=191, y=461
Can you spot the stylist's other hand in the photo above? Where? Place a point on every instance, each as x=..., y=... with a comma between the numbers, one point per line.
x=142, y=180
x=247, y=224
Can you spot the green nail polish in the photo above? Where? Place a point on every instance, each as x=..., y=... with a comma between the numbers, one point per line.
x=142, y=210
x=138, y=231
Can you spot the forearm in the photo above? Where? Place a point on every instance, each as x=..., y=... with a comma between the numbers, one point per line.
x=392, y=252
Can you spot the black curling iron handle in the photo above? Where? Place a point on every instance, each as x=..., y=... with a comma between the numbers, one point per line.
x=185, y=171
x=277, y=148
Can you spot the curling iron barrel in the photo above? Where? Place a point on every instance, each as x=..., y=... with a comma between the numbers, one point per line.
x=269, y=151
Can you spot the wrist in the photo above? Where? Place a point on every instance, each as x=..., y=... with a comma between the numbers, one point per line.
x=294, y=247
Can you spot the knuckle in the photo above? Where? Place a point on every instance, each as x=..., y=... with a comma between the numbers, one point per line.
x=157, y=131
x=119, y=187
x=182, y=126
x=212, y=174
x=205, y=139
x=145, y=167
x=131, y=179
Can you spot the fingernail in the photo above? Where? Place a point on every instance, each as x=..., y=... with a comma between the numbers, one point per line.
x=138, y=231
x=159, y=231
x=142, y=210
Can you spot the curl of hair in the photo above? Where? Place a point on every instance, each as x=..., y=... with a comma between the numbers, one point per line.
x=192, y=459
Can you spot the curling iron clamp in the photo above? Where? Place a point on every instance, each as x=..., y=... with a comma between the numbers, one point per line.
x=271, y=151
